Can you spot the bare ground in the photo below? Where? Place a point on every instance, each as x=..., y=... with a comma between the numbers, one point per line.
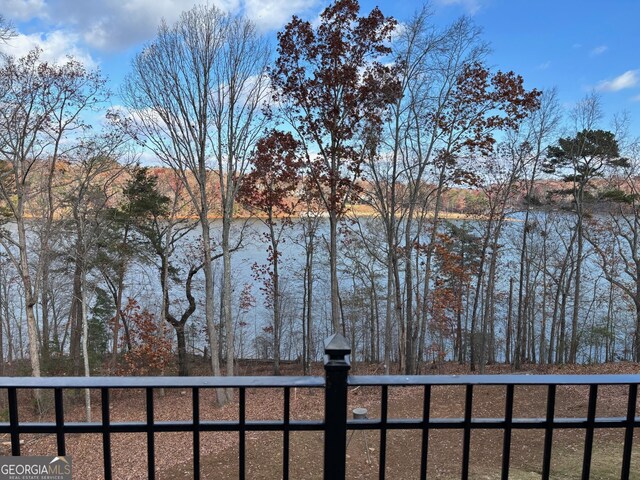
x=219, y=451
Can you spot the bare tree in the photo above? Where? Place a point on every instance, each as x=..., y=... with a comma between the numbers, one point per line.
x=616, y=239
x=40, y=116
x=414, y=49
x=7, y=32
x=581, y=159
x=307, y=239
x=95, y=172
x=195, y=94
x=536, y=135
x=498, y=186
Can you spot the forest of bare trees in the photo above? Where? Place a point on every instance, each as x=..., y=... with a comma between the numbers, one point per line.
x=370, y=175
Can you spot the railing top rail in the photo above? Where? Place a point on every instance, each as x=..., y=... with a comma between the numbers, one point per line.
x=163, y=382
x=519, y=379
x=312, y=382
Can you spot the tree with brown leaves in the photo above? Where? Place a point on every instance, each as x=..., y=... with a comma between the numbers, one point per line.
x=268, y=190
x=334, y=91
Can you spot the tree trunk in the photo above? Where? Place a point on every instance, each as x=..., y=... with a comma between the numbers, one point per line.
x=7, y=323
x=309, y=301
x=404, y=342
x=517, y=353
x=543, y=327
x=336, y=319
x=428, y=261
x=29, y=302
x=75, y=314
x=221, y=396
x=389, y=312
x=277, y=320
x=85, y=342
x=476, y=299
x=226, y=295
x=44, y=295
x=183, y=368
x=507, y=345
x=117, y=318
x=573, y=349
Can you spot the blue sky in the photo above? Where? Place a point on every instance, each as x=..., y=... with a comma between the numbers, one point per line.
x=577, y=46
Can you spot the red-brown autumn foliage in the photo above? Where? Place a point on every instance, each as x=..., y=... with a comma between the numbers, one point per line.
x=150, y=352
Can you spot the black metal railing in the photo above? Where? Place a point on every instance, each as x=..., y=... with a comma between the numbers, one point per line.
x=506, y=423
x=335, y=425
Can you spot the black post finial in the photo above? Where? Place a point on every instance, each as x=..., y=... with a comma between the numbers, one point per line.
x=336, y=366
x=336, y=347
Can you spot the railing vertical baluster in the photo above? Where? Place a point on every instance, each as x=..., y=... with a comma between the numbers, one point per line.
x=588, y=440
x=242, y=434
x=548, y=434
x=506, y=442
x=336, y=369
x=151, y=462
x=13, y=421
x=195, y=399
x=285, y=434
x=425, y=431
x=59, y=408
x=628, y=434
x=106, y=434
x=466, y=443
x=384, y=409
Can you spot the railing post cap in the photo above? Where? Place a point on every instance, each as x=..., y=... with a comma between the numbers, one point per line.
x=337, y=346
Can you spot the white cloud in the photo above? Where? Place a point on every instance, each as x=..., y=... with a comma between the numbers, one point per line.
x=399, y=31
x=471, y=6
x=635, y=98
x=22, y=9
x=56, y=46
x=272, y=14
x=148, y=158
x=114, y=25
x=545, y=65
x=627, y=80
x=599, y=50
